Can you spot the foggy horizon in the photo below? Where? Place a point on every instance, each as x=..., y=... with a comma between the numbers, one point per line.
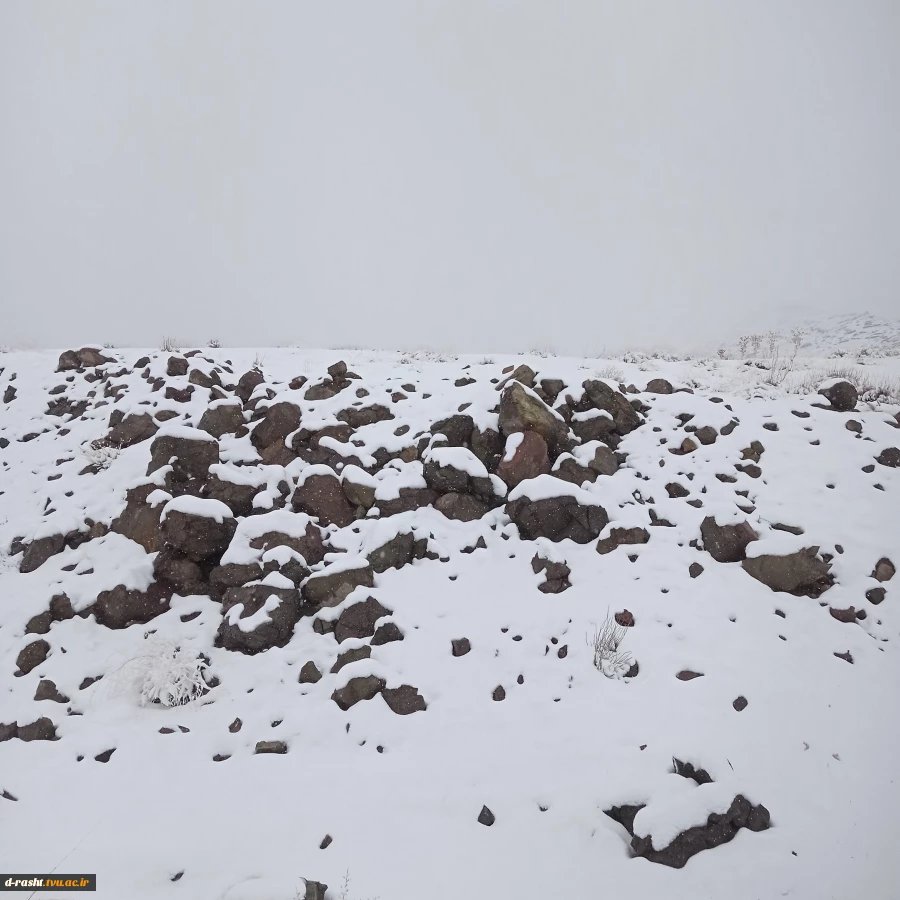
x=475, y=177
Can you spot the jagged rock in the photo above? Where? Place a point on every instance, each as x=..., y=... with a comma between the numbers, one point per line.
x=359, y=620
x=676, y=490
x=320, y=494
x=276, y=610
x=557, y=518
x=659, y=386
x=357, y=689
x=842, y=395
x=552, y=388
x=456, y=429
x=223, y=417
x=182, y=573
x=487, y=445
x=233, y=575
x=557, y=575
x=460, y=646
x=523, y=374
x=314, y=890
x=179, y=395
x=309, y=545
x=279, y=421
x=753, y=452
x=876, y=595
x=133, y=429
x=843, y=615
x=237, y=495
x=461, y=507
x=526, y=456
x=601, y=396
x=47, y=690
x=86, y=357
x=619, y=536
x=795, y=571
x=409, y=499
x=386, y=633
x=201, y=530
x=61, y=608
x=486, y=817
x=404, y=700
x=719, y=829
x=884, y=570
x=31, y=656
x=394, y=554
x=248, y=383
x=706, y=435
x=176, y=367
x=310, y=673
x=523, y=410
x=121, y=607
x=359, y=487
x=331, y=588
x=42, y=729
x=40, y=550
x=726, y=543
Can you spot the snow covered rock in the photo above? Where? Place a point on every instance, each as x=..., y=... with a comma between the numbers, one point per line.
x=40, y=550
x=404, y=700
x=122, y=607
x=189, y=451
x=363, y=687
x=222, y=417
x=31, y=656
x=200, y=529
x=522, y=410
x=602, y=397
x=359, y=620
x=279, y=421
x=457, y=430
x=132, y=429
x=619, y=536
x=551, y=508
x=841, y=394
x=659, y=386
x=86, y=357
x=139, y=520
x=393, y=554
x=792, y=572
x=319, y=493
x=334, y=584
x=525, y=456
x=257, y=617
x=461, y=507
x=726, y=543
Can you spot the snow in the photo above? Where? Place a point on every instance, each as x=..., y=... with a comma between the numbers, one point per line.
x=816, y=744
x=254, y=620
x=197, y=506
x=512, y=444
x=545, y=487
x=183, y=432
x=459, y=458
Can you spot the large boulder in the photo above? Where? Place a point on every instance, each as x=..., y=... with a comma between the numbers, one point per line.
x=393, y=554
x=461, y=507
x=841, y=394
x=279, y=421
x=525, y=456
x=40, y=550
x=551, y=508
x=247, y=384
x=358, y=416
x=457, y=430
x=800, y=571
x=601, y=396
x=359, y=620
x=309, y=544
x=31, y=656
x=457, y=470
x=487, y=445
x=200, y=529
x=86, y=357
x=357, y=689
x=522, y=410
x=726, y=543
x=257, y=617
x=319, y=494
x=190, y=452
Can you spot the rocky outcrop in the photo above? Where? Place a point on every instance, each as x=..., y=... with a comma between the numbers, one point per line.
x=556, y=510
x=258, y=617
x=726, y=543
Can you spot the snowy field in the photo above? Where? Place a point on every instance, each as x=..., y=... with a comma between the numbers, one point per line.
x=185, y=806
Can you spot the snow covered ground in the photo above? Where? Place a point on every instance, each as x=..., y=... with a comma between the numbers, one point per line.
x=185, y=808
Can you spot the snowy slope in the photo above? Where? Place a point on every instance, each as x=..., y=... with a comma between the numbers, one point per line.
x=184, y=807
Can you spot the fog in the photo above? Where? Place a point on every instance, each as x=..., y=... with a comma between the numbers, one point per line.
x=477, y=176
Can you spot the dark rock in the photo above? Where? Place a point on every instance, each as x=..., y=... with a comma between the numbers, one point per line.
x=86, y=357
x=182, y=573
x=557, y=518
x=460, y=646
x=625, y=618
x=404, y=700
x=358, y=416
x=358, y=620
x=40, y=550
x=310, y=545
x=248, y=383
x=486, y=817
x=330, y=589
x=274, y=633
x=622, y=536
x=487, y=445
x=355, y=654
x=601, y=396
x=233, y=575
x=309, y=673
x=133, y=429
x=726, y=543
x=47, y=690
x=498, y=693
x=105, y=756
x=675, y=490
x=659, y=386
x=795, y=571
x=394, y=554
x=190, y=457
x=456, y=429
x=176, y=367
x=179, y=395
x=843, y=615
x=271, y=747
x=409, y=499
x=740, y=704
x=139, y=521
x=523, y=374
x=753, y=452
x=357, y=689
x=884, y=570
x=529, y=460
x=198, y=537
x=387, y=633
x=235, y=726
x=706, y=435
x=42, y=729
x=521, y=410
x=224, y=418
x=688, y=675
x=279, y=421
x=461, y=507
x=842, y=395
x=876, y=595
x=32, y=656
x=695, y=570
x=719, y=829
x=121, y=607
x=320, y=495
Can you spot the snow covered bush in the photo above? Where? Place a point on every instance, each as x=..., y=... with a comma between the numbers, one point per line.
x=169, y=675
x=100, y=454
x=605, y=643
x=213, y=344
x=169, y=344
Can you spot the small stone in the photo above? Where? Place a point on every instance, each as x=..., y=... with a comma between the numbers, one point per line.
x=740, y=704
x=499, y=694
x=105, y=756
x=460, y=646
x=486, y=817
x=271, y=747
x=235, y=726
x=695, y=570
x=688, y=675
x=326, y=842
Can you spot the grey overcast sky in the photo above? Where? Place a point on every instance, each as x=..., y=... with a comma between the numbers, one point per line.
x=478, y=176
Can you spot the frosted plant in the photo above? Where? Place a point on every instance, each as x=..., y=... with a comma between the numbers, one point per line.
x=100, y=455
x=168, y=674
x=605, y=643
